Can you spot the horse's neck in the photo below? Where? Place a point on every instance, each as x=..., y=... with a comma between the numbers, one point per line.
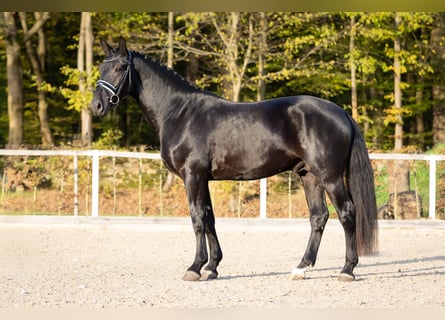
x=160, y=93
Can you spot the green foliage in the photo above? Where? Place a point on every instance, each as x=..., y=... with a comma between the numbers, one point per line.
x=109, y=139
x=305, y=53
x=78, y=100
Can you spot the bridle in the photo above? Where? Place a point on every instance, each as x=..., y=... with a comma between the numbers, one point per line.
x=116, y=90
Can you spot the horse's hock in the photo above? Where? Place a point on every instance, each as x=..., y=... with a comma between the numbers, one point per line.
x=407, y=205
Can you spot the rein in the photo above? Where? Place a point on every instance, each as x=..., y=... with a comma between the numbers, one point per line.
x=115, y=91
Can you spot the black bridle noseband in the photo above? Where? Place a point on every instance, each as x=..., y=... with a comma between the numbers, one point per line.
x=116, y=90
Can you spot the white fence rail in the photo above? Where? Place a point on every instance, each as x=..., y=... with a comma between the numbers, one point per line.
x=95, y=156
x=431, y=158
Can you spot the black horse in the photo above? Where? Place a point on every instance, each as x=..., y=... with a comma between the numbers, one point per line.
x=205, y=137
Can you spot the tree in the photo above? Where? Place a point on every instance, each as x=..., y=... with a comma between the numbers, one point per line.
x=398, y=132
x=438, y=88
x=15, y=82
x=82, y=78
x=411, y=57
x=349, y=58
x=84, y=66
x=37, y=59
x=262, y=51
x=354, y=106
x=399, y=172
x=170, y=36
x=236, y=54
x=224, y=44
x=393, y=45
x=306, y=55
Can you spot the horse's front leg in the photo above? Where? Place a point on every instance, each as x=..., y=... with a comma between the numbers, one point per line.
x=203, y=224
x=209, y=271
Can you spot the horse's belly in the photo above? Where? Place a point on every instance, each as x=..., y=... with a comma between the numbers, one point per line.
x=245, y=166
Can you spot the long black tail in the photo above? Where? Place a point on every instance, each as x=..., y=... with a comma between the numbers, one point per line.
x=360, y=180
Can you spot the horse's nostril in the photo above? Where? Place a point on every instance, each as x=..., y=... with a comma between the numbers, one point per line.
x=99, y=108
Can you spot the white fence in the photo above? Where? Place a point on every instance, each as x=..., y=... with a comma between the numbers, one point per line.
x=95, y=156
x=431, y=158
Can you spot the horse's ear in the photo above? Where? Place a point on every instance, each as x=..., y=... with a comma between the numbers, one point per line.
x=106, y=48
x=123, y=47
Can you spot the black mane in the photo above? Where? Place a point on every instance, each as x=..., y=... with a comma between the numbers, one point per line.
x=164, y=72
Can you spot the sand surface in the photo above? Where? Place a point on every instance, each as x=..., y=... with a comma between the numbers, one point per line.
x=68, y=262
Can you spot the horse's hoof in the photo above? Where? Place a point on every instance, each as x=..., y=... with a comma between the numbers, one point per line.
x=297, y=274
x=191, y=276
x=208, y=275
x=345, y=277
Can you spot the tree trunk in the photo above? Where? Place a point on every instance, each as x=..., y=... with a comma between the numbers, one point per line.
x=232, y=48
x=354, y=104
x=262, y=49
x=170, y=176
x=398, y=170
x=398, y=132
x=439, y=114
x=437, y=36
x=420, y=127
x=37, y=60
x=170, y=33
x=47, y=137
x=84, y=65
x=231, y=39
x=366, y=123
x=15, y=83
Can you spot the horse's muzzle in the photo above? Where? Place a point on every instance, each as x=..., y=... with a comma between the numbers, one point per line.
x=98, y=109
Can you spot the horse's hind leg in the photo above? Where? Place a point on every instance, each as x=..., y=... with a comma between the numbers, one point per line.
x=319, y=215
x=346, y=214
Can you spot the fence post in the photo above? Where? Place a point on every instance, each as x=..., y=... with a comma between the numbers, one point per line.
x=263, y=198
x=95, y=185
x=76, y=185
x=432, y=195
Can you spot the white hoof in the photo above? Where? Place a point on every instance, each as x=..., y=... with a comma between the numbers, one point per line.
x=297, y=274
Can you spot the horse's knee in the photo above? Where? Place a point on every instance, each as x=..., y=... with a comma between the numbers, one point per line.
x=318, y=221
x=198, y=222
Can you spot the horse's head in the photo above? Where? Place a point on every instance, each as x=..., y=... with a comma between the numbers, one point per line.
x=115, y=78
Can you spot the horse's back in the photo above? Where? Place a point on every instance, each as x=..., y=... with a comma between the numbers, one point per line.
x=253, y=140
